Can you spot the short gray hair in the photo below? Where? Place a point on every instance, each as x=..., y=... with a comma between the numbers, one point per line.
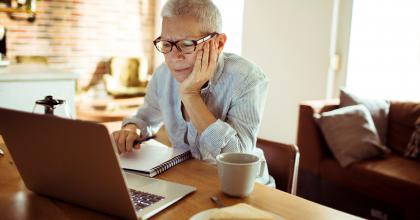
x=207, y=14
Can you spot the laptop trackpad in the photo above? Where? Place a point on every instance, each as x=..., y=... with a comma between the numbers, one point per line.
x=136, y=181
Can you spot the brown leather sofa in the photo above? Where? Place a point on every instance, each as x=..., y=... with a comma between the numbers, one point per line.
x=379, y=188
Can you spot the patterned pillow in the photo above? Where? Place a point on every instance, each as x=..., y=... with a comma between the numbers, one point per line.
x=413, y=147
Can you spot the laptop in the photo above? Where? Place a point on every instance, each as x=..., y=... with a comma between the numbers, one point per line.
x=77, y=162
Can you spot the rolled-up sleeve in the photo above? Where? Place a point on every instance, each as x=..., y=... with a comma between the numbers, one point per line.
x=148, y=117
x=238, y=132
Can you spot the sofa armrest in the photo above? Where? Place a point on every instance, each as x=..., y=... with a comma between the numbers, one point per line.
x=310, y=140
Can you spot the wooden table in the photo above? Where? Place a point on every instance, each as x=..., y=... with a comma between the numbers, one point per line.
x=16, y=202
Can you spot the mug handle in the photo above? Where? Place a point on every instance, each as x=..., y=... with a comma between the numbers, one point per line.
x=263, y=164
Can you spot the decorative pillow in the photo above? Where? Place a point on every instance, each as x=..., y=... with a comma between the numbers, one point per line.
x=378, y=108
x=350, y=134
x=413, y=147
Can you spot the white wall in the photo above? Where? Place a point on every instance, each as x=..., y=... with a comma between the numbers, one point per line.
x=232, y=14
x=290, y=40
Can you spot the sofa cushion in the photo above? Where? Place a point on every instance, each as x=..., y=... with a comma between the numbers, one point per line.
x=350, y=134
x=402, y=116
x=378, y=109
x=391, y=178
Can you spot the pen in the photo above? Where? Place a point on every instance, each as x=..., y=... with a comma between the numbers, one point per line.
x=138, y=141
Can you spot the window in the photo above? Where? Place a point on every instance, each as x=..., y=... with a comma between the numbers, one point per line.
x=384, y=51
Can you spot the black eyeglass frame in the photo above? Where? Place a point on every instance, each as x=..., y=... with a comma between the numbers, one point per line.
x=174, y=43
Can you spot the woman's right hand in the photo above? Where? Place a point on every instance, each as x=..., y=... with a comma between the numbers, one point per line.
x=125, y=138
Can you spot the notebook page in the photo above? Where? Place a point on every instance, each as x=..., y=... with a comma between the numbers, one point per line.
x=151, y=154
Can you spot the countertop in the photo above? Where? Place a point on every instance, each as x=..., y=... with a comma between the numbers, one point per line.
x=33, y=72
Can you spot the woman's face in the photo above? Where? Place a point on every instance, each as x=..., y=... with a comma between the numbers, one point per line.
x=180, y=28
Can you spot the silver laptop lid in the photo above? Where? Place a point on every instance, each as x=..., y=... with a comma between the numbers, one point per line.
x=67, y=159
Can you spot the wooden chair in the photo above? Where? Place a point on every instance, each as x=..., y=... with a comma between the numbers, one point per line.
x=282, y=162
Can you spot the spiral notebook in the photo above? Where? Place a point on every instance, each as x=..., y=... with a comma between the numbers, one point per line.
x=153, y=158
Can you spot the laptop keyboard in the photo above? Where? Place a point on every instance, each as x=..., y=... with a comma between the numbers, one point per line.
x=142, y=199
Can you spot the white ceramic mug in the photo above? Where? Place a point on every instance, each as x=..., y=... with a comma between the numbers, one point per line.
x=238, y=171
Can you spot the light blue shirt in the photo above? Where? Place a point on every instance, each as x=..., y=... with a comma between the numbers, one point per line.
x=235, y=96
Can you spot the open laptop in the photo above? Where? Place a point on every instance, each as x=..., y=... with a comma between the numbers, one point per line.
x=76, y=161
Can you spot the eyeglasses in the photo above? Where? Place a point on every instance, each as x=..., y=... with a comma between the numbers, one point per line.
x=184, y=46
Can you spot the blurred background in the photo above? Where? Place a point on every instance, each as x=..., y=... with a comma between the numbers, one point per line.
x=99, y=56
